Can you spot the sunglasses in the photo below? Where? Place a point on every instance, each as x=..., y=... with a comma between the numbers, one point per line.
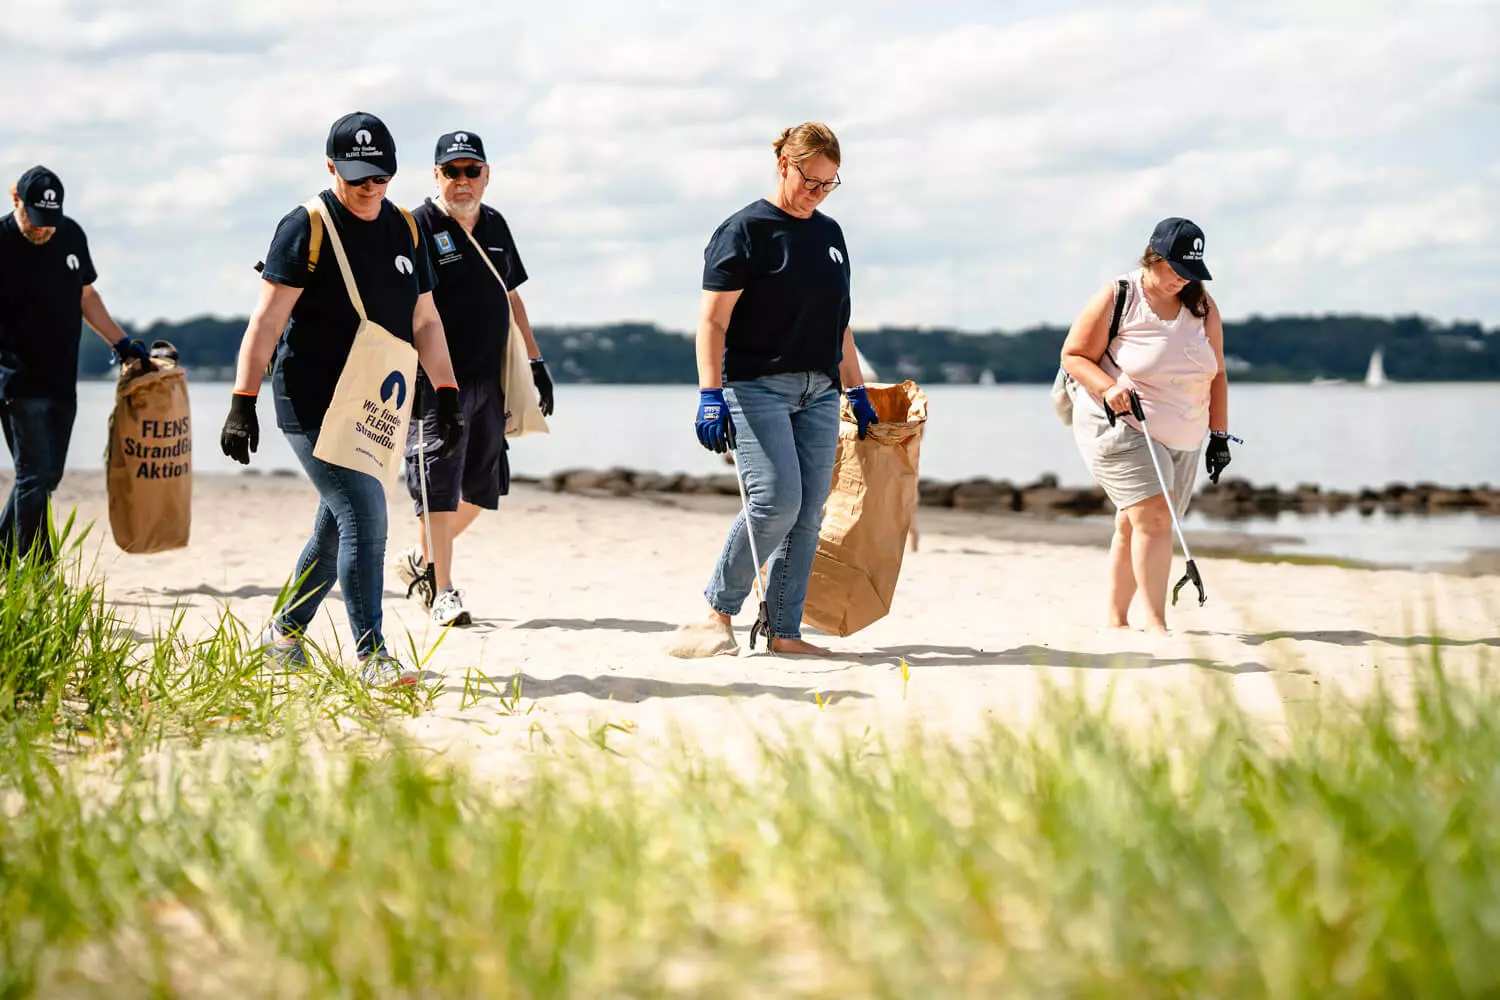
x=472, y=171
x=377, y=181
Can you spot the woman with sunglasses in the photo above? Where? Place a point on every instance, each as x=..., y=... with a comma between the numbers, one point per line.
x=305, y=317
x=774, y=349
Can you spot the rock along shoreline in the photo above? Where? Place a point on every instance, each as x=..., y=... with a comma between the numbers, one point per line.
x=1230, y=499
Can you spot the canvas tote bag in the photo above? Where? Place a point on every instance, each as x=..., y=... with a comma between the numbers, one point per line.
x=365, y=426
x=523, y=414
x=868, y=513
x=149, y=458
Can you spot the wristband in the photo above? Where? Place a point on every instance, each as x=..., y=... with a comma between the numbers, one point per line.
x=1226, y=436
x=536, y=360
x=242, y=392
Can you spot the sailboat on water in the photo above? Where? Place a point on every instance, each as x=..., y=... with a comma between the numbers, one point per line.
x=1375, y=374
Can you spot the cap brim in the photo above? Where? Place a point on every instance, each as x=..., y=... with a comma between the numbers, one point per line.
x=458, y=155
x=358, y=170
x=47, y=218
x=1191, y=270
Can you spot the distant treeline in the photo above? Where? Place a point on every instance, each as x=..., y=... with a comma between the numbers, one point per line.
x=1285, y=349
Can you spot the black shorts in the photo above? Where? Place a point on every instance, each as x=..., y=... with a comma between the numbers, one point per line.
x=479, y=471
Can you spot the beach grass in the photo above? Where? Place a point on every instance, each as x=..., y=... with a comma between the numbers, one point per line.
x=162, y=837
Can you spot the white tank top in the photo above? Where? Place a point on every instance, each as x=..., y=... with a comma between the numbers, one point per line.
x=1170, y=363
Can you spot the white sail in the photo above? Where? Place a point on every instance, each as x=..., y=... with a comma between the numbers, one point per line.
x=1375, y=375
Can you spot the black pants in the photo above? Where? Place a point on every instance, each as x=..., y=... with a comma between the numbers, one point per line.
x=37, y=431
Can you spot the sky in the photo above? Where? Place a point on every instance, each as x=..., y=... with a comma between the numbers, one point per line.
x=1001, y=161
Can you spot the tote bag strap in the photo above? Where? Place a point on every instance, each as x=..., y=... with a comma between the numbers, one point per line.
x=315, y=205
x=443, y=207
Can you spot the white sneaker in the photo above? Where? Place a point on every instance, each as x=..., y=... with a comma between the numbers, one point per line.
x=282, y=655
x=411, y=569
x=381, y=670
x=448, y=609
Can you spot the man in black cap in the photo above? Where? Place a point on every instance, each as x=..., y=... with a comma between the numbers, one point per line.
x=46, y=293
x=476, y=309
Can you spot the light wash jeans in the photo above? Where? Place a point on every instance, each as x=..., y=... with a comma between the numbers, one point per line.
x=347, y=544
x=787, y=432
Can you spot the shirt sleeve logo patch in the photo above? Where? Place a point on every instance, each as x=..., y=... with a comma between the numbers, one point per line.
x=72, y=261
x=444, y=242
x=403, y=264
x=835, y=255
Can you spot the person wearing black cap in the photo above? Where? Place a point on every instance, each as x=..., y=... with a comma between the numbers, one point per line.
x=305, y=318
x=1167, y=346
x=475, y=297
x=46, y=293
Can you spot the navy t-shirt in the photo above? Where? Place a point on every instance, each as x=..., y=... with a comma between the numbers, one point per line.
x=793, y=275
x=390, y=273
x=41, y=310
x=475, y=309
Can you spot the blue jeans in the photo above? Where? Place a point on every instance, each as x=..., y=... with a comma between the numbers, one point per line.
x=787, y=433
x=37, y=432
x=347, y=544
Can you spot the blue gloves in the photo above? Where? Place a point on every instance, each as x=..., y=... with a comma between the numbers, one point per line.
x=715, y=429
x=128, y=350
x=864, y=413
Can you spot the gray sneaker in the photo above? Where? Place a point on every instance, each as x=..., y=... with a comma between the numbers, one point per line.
x=287, y=656
x=449, y=609
x=381, y=670
x=411, y=569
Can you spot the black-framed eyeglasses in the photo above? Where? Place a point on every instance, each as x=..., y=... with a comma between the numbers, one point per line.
x=377, y=181
x=812, y=185
x=472, y=171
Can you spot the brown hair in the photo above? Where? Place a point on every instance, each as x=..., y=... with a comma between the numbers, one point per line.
x=803, y=142
x=1193, y=294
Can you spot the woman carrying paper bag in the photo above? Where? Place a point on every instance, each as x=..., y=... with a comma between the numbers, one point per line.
x=348, y=291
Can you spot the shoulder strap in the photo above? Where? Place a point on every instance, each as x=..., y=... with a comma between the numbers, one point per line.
x=314, y=238
x=1122, y=292
x=314, y=206
x=411, y=223
x=443, y=207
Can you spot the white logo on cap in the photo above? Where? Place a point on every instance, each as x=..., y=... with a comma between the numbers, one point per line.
x=363, y=137
x=1198, y=245
x=72, y=261
x=833, y=252
x=460, y=137
x=49, y=195
x=403, y=264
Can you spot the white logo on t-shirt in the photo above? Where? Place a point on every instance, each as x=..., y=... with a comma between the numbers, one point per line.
x=403, y=264
x=835, y=255
x=72, y=261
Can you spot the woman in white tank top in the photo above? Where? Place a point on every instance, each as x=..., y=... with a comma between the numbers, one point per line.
x=1170, y=350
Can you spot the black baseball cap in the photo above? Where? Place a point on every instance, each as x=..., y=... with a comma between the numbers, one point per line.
x=41, y=194
x=361, y=146
x=1181, y=243
x=458, y=146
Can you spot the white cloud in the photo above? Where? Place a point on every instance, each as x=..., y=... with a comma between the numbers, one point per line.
x=1000, y=161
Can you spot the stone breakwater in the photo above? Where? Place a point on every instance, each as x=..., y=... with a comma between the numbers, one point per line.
x=1231, y=498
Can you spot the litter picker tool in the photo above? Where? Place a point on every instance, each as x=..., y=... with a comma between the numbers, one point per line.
x=763, y=621
x=1139, y=412
x=428, y=578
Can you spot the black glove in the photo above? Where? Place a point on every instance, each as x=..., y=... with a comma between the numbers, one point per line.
x=241, y=433
x=543, y=380
x=131, y=350
x=1216, y=457
x=450, y=420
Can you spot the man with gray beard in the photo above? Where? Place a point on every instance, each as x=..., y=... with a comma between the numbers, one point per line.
x=476, y=310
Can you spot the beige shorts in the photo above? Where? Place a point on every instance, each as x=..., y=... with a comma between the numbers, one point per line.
x=1121, y=464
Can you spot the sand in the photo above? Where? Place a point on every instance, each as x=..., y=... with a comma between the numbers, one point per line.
x=580, y=595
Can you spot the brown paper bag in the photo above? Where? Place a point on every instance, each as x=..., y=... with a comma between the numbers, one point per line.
x=868, y=513
x=149, y=458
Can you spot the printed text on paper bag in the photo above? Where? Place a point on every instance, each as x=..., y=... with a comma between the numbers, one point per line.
x=380, y=424
x=166, y=460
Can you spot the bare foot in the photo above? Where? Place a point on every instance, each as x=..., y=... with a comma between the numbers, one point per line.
x=1118, y=623
x=1158, y=628
x=796, y=647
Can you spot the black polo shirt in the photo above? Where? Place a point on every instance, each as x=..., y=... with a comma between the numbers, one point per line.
x=793, y=276
x=41, y=310
x=475, y=309
x=390, y=273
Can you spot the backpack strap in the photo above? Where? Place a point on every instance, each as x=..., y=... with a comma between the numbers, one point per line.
x=1122, y=293
x=411, y=223
x=314, y=238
